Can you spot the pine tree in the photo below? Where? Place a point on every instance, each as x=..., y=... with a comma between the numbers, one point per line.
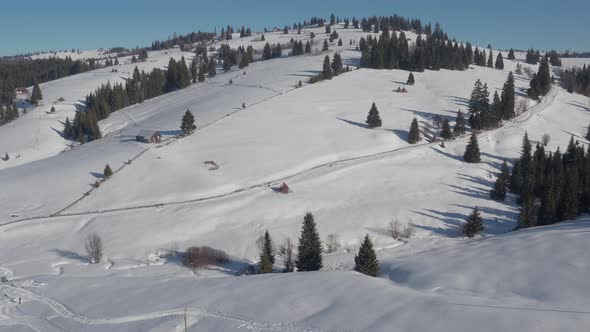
x=474, y=224
x=265, y=265
x=36, y=95
x=325, y=47
x=446, y=130
x=212, y=69
x=52, y=110
x=327, y=68
x=499, y=61
x=108, y=172
x=267, y=248
x=414, y=135
x=309, y=250
x=411, y=80
x=500, y=189
x=307, y=47
x=472, y=150
x=508, y=98
x=187, y=125
x=528, y=215
x=491, y=60
x=373, y=118
x=366, y=261
x=569, y=202
x=459, y=128
x=337, y=66
x=511, y=55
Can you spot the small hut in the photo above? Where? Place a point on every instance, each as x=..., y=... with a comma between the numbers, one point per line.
x=148, y=136
x=284, y=188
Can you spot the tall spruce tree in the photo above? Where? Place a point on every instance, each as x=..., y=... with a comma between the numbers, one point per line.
x=508, y=98
x=187, y=125
x=373, y=118
x=474, y=224
x=36, y=95
x=472, y=150
x=499, y=61
x=459, y=128
x=327, y=69
x=267, y=248
x=366, y=261
x=414, y=134
x=511, y=55
x=491, y=59
x=528, y=214
x=309, y=250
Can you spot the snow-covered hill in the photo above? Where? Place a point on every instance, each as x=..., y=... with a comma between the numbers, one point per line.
x=355, y=180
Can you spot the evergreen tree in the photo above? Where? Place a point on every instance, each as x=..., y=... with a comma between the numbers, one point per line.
x=414, y=135
x=309, y=250
x=267, y=248
x=474, y=224
x=340, y=42
x=337, y=66
x=491, y=60
x=373, y=118
x=366, y=261
x=569, y=202
x=500, y=189
x=265, y=265
x=327, y=68
x=307, y=47
x=410, y=79
x=187, y=124
x=108, y=172
x=528, y=215
x=459, y=128
x=36, y=95
x=472, y=150
x=511, y=55
x=499, y=61
x=508, y=98
x=541, y=82
x=325, y=47
x=212, y=69
x=446, y=130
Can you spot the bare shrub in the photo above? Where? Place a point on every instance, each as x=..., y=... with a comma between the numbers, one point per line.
x=196, y=257
x=546, y=139
x=409, y=230
x=94, y=248
x=286, y=252
x=393, y=229
x=528, y=71
x=332, y=243
x=437, y=121
x=522, y=106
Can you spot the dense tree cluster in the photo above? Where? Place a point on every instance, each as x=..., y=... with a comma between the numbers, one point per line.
x=532, y=57
x=576, y=80
x=486, y=115
x=190, y=38
x=541, y=81
x=551, y=187
x=20, y=72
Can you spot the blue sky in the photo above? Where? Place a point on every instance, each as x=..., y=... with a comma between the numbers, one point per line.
x=34, y=25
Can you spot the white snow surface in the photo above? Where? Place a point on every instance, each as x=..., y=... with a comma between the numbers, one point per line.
x=355, y=181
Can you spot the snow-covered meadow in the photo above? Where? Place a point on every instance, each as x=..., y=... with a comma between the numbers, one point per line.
x=354, y=180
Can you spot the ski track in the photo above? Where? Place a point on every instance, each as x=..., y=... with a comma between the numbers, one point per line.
x=516, y=122
x=63, y=311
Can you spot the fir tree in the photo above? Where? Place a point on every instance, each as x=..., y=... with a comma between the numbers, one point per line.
x=325, y=47
x=474, y=224
x=446, y=130
x=459, y=128
x=309, y=250
x=511, y=55
x=267, y=248
x=212, y=69
x=107, y=172
x=500, y=189
x=410, y=79
x=36, y=95
x=340, y=42
x=337, y=66
x=327, y=68
x=187, y=125
x=366, y=261
x=528, y=215
x=472, y=150
x=499, y=61
x=265, y=265
x=508, y=98
x=373, y=118
x=491, y=60
x=414, y=135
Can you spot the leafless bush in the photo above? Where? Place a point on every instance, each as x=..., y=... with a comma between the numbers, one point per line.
x=94, y=248
x=398, y=231
x=522, y=106
x=332, y=243
x=528, y=71
x=546, y=139
x=437, y=121
x=409, y=230
x=196, y=257
x=393, y=229
x=286, y=252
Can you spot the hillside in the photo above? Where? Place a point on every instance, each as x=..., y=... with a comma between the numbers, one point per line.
x=163, y=198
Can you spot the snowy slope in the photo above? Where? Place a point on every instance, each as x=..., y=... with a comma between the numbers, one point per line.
x=355, y=181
